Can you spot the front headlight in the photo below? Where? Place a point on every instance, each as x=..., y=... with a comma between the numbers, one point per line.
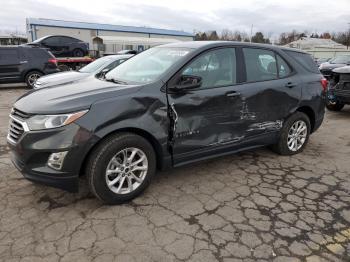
x=39, y=122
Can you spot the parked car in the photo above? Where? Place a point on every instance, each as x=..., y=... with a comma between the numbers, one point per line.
x=165, y=107
x=98, y=68
x=25, y=64
x=61, y=45
x=339, y=89
x=339, y=61
x=320, y=61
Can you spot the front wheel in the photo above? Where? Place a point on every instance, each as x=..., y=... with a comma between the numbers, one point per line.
x=294, y=135
x=121, y=167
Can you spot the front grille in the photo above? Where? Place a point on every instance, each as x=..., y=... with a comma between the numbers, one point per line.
x=346, y=86
x=19, y=114
x=16, y=125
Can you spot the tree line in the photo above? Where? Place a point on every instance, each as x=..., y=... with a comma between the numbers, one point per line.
x=283, y=39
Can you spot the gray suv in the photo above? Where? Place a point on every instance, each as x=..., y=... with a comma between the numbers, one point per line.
x=166, y=107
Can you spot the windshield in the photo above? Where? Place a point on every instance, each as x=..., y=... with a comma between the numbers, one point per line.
x=96, y=65
x=147, y=66
x=340, y=60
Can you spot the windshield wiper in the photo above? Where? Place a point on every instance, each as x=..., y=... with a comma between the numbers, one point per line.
x=116, y=81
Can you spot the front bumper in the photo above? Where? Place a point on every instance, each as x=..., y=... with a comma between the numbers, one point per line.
x=31, y=152
x=339, y=95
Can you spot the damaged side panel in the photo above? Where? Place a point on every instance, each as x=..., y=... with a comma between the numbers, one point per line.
x=207, y=119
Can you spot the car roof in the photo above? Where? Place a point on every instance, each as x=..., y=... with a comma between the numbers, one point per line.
x=211, y=44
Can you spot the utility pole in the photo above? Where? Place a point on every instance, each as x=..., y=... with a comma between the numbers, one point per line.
x=348, y=42
x=251, y=33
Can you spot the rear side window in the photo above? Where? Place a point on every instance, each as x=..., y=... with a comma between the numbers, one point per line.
x=54, y=40
x=8, y=54
x=260, y=64
x=68, y=40
x=305, y=60
x=37, y=53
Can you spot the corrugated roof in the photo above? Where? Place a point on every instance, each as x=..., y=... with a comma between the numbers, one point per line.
x=131, y=40
x=107, y=27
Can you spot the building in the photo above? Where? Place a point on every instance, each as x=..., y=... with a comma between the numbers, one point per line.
x=320, y=48
x=105, y=37
x=12, y=39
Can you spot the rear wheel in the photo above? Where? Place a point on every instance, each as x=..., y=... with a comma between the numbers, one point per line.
x=121, y=167
x=31, y=77
x=78, y=52
x=294, y=135
x=334, y=106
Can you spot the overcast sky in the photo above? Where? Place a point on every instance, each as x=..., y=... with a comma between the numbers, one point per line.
x=269, y=16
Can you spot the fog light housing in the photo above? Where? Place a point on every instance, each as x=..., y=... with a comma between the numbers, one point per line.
x=55, y=160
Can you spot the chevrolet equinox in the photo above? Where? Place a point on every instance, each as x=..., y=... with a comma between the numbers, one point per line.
x=168, y=106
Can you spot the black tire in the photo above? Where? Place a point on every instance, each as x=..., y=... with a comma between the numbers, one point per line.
x=282, y=146
x=78, y=52
x=101, y=157
x=31, y=77
x=334, y=106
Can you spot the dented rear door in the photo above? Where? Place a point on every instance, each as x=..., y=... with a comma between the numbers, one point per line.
x=271, y=91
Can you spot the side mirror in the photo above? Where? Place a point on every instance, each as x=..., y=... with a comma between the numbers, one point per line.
x=103, y=73
x=188, y=82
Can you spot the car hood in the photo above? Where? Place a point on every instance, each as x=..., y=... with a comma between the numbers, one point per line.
x=342, y=70
x=59, y=79
x=328, y=65
x=71, y=97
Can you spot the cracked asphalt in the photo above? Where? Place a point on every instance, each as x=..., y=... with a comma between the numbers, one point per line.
x=252, y=206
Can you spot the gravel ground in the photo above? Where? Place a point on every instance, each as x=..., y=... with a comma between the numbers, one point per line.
x=253, y=206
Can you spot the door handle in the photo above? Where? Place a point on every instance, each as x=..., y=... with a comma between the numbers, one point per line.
x=233, y=94
x=290, y=84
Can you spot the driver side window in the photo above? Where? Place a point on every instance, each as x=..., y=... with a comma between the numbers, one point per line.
x=216, y=68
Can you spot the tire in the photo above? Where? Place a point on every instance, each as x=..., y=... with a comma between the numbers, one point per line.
x=108, y=154
x=78, y=52
x=283, y=147
x=31, y=77
x=334, y=106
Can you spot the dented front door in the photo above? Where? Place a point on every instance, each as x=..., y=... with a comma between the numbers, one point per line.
x=209, y=117
x=205, y=119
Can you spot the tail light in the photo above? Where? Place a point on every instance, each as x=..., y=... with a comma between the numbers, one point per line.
x=53, y=61
x=324, y=83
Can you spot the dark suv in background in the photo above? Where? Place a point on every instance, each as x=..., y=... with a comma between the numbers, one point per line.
x=62, y=46
x=339, y=61
x=165, y=107
x=25, y=64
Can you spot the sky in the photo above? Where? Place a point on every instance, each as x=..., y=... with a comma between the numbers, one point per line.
x=268, y=16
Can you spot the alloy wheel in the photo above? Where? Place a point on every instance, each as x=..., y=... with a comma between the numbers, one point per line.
x=297, y=135
x=32, y=78
x=126, y=170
